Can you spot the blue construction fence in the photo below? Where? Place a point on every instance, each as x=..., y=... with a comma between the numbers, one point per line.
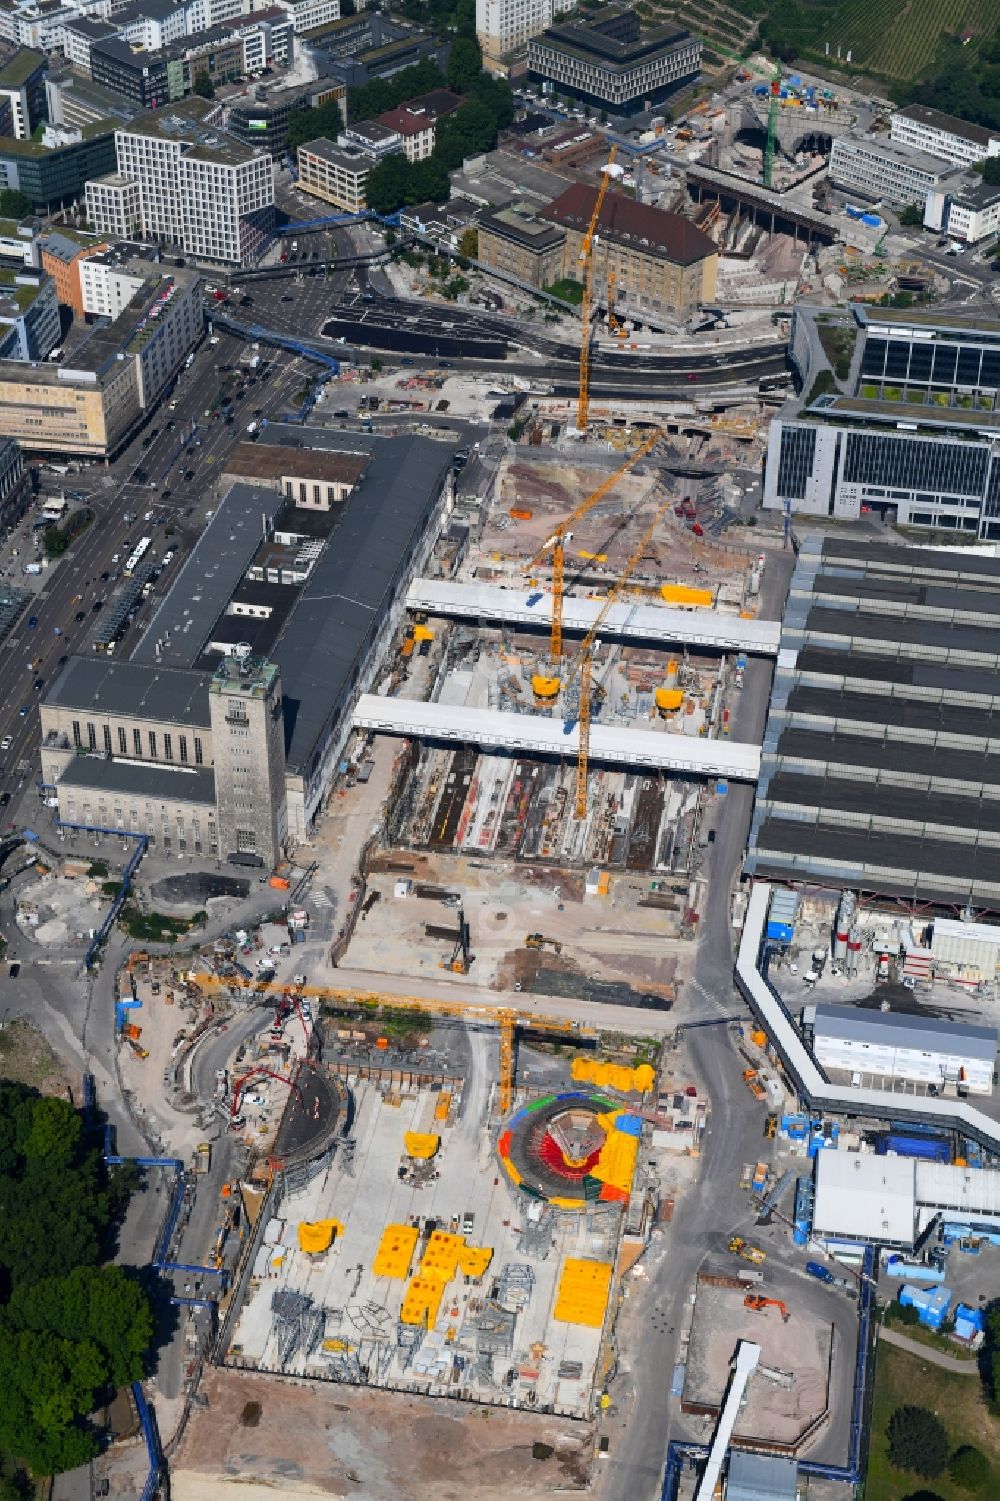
x=150, y=1433
x=141, y=846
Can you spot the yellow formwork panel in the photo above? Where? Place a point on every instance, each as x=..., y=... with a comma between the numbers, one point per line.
x=443, y=1105
x=421, y=1302
x=582, y=1294
x=422, y=1144
x=474, y=1260
x=395, y=1250
x=613, y=1075
x=685, y=594
x=316, y=1236
x=440, y=1259
x=616, y=1163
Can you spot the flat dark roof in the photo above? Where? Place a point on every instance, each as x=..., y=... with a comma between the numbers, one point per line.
x=912, y=805
x=883, y=556
x=100, y=686
x=907, y=592
x=919, y=714
x=189, y=784
x=889, y=754
x=938, y=120
x=942, y=677
x=939, y=634
x=897, y=864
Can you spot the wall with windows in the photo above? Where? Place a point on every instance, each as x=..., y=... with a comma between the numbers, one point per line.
x=68, y=732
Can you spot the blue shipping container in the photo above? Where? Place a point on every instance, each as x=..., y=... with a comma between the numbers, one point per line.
x=780, y=932
x=913, y=1271
x=677, y=1384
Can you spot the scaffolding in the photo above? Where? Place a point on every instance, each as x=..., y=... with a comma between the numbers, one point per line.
x=292, y=1321
x=515, y=1286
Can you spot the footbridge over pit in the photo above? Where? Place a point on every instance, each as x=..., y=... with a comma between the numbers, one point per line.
x=539, y=735
x=631, y=621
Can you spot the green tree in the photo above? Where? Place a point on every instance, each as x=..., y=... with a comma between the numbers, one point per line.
x=325, y=121
x=468, y=245
x=918, y=1440
x=14, y=204
x=465, y=64
x=388, y=185
x=991, y=171
x=969, y=1468
x=203, y=86
x=912, y=215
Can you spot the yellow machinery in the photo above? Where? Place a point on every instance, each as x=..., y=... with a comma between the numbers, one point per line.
x=615, y=325
x=505, y=1019
x=557, y=543
x=586, y=276
x=583, y=662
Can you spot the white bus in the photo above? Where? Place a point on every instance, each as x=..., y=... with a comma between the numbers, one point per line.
x=135, y=558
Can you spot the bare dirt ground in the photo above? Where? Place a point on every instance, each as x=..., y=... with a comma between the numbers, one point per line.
x=26, y=1057
x=347, y=1441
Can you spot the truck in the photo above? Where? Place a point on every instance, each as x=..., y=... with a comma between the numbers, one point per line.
x=741, y=1247
x=759, y=1179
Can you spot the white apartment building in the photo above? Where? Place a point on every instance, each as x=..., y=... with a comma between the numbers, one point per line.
x=203, y=14
x=973, y=213
x=943, y=135
x=336, y=175
x=198, y=188
x=306, y=15
x=152, y=28
x=879, y=170
x=503, y=25
x=107, y=285
x=113, y=206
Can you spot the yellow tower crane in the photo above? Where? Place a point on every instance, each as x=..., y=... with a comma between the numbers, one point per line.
x=506, y=1019
x=557, y=544
x=584, y=661
x=587, y=268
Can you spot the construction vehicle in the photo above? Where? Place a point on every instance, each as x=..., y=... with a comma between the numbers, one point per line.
x=132, y=1032
x=586, y=276
x=461, y=957
x=751, y=1079
x=505, y=1018
x=759, y=1303
x=548, y=687
x=137, y=1048
x=539, y=941
x=771, y=1128
x=615, y=325
x=741, y=1247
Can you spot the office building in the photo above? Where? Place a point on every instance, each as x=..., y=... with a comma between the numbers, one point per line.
x=943, y=136
x=898, y=1046
x=356, y=49
x=113, y=206
x=504, y=25
x=22, y=94
x=259, y=117
x=75, y=101
x=964, y=208
x=91, y=403
x=374, y=139
x=151, y=25
x=334, y=174
x=878, y=772
x=29, y=315
x=79, y=35
x=143, y=79
x=517, y=241
x=267, y=36
x=917, y=444
x=63, y=251
x=53, y=175
x=879, y=170
x=608, y=62
x=661, y=263
x=309, y=15
x=415, y=122
x=198, y=188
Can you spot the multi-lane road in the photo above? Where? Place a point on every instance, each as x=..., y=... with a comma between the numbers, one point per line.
x=144, y=492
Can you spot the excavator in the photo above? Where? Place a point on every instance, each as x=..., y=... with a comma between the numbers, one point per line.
x=758, y=1304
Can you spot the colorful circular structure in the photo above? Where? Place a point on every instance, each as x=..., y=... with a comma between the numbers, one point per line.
x=571, y=1150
